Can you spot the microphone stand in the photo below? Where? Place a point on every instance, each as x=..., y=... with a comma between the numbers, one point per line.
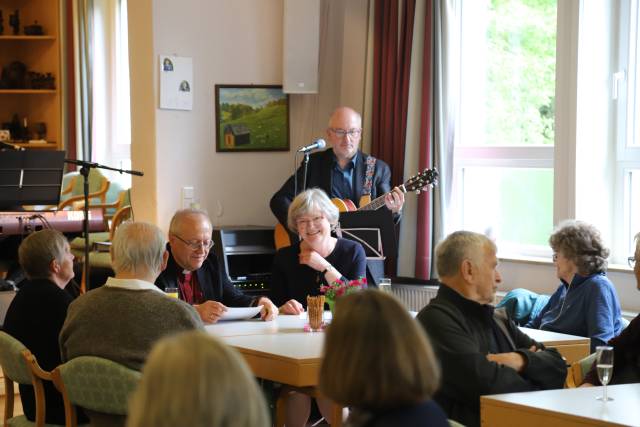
x=85, y=168
x=305, y=162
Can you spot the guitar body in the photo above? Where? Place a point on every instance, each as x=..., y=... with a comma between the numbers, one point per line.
x=281, y=237
x=426, y=178
x=344, y=205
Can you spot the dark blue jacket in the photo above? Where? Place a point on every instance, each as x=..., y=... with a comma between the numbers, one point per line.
x=588, y=307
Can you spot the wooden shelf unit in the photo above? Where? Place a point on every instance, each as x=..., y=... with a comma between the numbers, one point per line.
x=41, y=54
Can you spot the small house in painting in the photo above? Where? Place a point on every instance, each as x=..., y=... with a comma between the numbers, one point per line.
x=235, y=135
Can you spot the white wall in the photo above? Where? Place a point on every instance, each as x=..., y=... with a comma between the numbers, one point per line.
x=230, y=41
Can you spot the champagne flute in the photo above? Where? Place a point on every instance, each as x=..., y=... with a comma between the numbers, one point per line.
x=604, y=364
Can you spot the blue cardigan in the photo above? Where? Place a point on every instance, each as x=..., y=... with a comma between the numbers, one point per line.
x=587, y=307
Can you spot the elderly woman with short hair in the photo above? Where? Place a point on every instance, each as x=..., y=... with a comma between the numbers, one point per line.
x=300, y=269
x=318, y=259
x=586, y=302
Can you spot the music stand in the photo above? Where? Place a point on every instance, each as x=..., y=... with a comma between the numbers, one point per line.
x=375, y=231
x=30, y=178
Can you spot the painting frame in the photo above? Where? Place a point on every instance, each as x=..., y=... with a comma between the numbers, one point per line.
x=250, y=118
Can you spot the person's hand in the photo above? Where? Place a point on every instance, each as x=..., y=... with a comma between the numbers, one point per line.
x=586, y=385
x=291, y=307
x=394, y=200
x=313, y=259
x=269, y=310
x=513, y=360
x=210, y=311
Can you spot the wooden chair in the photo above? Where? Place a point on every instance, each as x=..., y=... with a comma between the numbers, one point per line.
x=100, y=386
x=100, y=243
x=578, y=370
x=98, y=187
x=20, y=366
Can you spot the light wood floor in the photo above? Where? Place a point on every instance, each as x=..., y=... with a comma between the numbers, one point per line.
x=17, y=408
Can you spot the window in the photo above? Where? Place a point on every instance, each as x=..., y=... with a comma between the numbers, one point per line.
x=111, y=101
x=626, y=94
x=545, y=138
x=504, y=157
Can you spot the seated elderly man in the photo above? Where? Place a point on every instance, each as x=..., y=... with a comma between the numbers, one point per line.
x=122, y=320
x=194, y=270
x=481, y=351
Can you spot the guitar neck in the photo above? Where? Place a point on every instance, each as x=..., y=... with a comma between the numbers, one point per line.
x=378, y=202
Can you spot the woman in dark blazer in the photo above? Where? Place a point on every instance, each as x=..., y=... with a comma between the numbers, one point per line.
x=38, y=310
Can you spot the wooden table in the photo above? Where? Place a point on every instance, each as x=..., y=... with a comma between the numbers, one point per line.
x=279, y=351
x=572, y=347
x=564, y=407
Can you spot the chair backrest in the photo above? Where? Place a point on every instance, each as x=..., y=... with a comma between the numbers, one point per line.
x=13, y=364
x=21, y=366
x=123, y=214
x=579, y=370
x=96, y=384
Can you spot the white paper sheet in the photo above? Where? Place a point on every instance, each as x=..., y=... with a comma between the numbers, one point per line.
x=238, y=313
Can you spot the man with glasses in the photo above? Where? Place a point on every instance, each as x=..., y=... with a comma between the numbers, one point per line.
x=195, y=271
x=342, y=171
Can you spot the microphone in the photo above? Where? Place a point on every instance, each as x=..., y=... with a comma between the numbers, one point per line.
x=318, y=144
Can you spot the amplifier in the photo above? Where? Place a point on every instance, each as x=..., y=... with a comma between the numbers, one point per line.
x=246, y=254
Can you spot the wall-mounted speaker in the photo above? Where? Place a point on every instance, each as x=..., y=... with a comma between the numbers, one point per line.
x=301, y=49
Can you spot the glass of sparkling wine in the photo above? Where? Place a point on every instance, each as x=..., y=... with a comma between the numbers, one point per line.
x=604, y=364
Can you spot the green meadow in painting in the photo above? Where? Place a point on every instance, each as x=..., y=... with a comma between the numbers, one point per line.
x=252, y=118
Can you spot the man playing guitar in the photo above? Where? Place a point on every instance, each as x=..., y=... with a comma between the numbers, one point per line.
x=342, y=171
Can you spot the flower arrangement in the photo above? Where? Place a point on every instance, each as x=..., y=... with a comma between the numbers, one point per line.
x=339, y=288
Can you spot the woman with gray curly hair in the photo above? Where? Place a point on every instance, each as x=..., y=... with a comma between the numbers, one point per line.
x=586, y=302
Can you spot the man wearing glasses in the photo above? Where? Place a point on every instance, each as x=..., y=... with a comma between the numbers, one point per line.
x=195, y=271
x=341, y=171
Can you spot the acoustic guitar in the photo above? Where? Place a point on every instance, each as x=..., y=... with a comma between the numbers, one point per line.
x=426, y=178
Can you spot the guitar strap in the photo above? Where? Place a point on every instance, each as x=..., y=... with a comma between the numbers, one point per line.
x=368, y=177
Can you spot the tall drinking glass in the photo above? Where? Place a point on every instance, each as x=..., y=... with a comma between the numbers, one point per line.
x=604, y=363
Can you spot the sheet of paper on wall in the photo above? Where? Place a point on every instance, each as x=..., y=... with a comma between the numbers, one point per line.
x=176, y=82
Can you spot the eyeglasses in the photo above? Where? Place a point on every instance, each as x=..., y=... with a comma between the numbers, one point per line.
x=351, y=133
x=196, y=244
x=632, y=261
x=304, y=223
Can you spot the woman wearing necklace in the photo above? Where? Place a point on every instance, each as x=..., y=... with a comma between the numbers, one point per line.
x=318, y=259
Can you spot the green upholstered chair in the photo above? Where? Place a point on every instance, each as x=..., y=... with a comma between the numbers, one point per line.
x=100, y=386
x=74, y=191
x=20, y=366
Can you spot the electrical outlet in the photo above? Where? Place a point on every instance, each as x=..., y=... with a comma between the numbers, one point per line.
x=187, y=197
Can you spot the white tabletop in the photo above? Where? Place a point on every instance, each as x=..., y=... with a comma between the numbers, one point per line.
x=553, y=338
x=572, y=406
x=282, y=324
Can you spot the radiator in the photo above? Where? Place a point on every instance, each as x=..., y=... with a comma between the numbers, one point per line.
x=414, y=297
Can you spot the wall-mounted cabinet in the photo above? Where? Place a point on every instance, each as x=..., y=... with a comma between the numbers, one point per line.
x=30, y=86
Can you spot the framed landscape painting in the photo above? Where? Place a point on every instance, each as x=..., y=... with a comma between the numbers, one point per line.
x=251, y=118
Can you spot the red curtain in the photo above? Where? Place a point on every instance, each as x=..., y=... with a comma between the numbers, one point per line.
x=391, y=68
x=424, y=236
x=392, y=64
x=70, y=83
